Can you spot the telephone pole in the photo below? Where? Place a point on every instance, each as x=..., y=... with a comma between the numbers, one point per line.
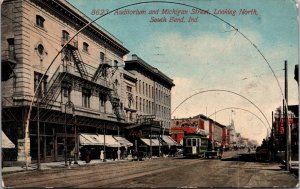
x=287, y=127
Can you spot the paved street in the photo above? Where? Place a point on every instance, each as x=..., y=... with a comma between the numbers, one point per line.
x=162, y=172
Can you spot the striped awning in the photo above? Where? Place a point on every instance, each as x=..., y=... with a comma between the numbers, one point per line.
x=123, y=141
x=169, y=141
x=5, y=142
x=98, y=140
x=147, y=141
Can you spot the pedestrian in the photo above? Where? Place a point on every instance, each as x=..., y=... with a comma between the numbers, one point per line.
x=87, y=156
x=221, y=149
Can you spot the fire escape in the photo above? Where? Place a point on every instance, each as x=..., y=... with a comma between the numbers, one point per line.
x=102, y=72
x=62, y=73
x=59, y=78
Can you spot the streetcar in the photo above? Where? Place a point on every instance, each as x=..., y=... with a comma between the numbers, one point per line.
x=195, y=145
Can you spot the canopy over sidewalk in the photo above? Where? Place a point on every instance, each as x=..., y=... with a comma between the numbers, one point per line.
x=98, y=140
x=147, y=141
x=5, y=142
x=169, y=141
x=123, y=141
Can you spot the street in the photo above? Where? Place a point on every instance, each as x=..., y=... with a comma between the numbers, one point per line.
x=160, y=172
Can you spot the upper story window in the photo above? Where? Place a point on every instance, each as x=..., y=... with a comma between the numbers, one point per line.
x=40, y=21
x=86, y=95
x=102, y=55
x=129, y=89
x=116, y=63
x=65, y=35
x=11, y=48
x=42, y=89
x=85, y=47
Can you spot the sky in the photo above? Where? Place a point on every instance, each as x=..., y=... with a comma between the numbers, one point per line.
x=209, y=56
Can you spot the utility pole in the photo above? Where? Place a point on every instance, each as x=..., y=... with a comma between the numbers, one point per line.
x=65, y=142
x=104, y=153
x=38, y=135
x=287, y=127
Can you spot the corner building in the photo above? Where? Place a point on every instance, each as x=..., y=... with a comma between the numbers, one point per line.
x=81, y=91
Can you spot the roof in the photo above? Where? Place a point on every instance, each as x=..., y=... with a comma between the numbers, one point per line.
x=138, y=62
x=200, y=116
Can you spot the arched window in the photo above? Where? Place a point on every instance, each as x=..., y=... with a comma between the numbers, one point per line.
x=40, y=21
x=102, y=57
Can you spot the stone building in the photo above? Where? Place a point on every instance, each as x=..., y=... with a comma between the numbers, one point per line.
x=153, y=92
x=80, y=93
x=85, y=93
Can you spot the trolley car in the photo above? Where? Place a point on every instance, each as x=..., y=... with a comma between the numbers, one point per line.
x=195, y=145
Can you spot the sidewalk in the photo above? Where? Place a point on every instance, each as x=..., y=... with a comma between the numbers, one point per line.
x=59, y=164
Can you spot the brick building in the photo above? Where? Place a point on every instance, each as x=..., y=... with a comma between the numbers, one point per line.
x=215, y=131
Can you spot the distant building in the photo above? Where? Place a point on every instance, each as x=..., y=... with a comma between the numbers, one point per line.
x=215, y=131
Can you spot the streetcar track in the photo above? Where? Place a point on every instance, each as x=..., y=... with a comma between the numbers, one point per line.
x=87, y=172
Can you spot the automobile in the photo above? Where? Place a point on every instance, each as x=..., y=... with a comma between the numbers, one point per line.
x=262, y=154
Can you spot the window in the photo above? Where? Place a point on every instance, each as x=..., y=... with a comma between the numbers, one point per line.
x=140, y=86
x=102, y=55
x=143, y=88
x=40, y=21
x=146, y=89
x=116, y=83
x=86, y=95
x=130, y=100
x=65, y=95
x=115, y=63
x=136, y=103
x=65, y=35
x=129, y=89
x=85, y=47
x=141, y=104
x=11, y=48
x=103, y=99
x=42, y=91
x=40, y=49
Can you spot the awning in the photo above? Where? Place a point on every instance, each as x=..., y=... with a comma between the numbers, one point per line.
x=155, y=142
x=167, y=139
x=98, y=140
x=6, y=143
x=123, y=141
